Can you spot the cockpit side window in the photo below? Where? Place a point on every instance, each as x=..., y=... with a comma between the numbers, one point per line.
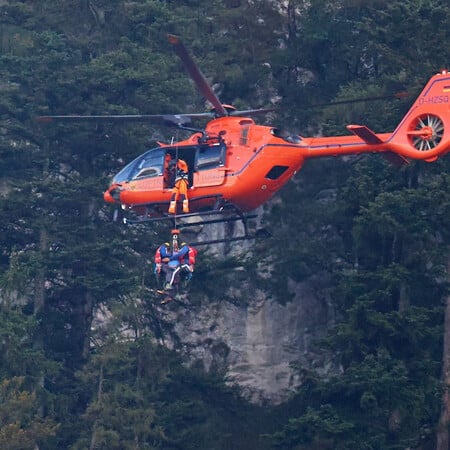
x=210, y=156
x=149, y=164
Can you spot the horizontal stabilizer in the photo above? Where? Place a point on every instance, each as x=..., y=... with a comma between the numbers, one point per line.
x=366, y=134
x=395, y=158
x=369, y=137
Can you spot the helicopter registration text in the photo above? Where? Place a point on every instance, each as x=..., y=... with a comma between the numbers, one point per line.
x=434, y=99
x=150, y=183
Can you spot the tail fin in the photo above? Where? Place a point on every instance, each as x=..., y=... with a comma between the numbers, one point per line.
x=424, y=133
x=368, y=136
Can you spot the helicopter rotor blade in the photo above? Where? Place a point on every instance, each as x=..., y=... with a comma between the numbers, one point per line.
x=167, y=119
x=395, y=95
x=251, y=112
x=102, y=118
x=196, y=74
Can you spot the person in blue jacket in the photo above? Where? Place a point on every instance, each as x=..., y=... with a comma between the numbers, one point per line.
x=170, y=260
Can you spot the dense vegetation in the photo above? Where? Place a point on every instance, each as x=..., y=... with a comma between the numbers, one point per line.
x=381, y=232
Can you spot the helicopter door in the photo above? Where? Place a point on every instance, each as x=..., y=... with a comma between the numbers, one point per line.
x=210, y=165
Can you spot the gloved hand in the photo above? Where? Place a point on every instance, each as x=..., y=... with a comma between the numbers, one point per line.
x=157, y=268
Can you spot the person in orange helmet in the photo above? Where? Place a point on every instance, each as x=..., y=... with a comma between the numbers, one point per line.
x=172, y=262
x=180, y=190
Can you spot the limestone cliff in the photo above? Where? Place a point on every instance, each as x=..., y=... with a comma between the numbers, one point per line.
x=258, y=344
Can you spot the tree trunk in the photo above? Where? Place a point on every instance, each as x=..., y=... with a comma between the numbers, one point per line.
x=39, y=285
x=403, y=299
x=93, y=442
x=87, y=322
x=442, y=435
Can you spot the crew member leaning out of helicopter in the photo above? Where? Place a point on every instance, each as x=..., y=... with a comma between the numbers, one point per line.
x=181, y=187
x=170, y=261
x=169, y=171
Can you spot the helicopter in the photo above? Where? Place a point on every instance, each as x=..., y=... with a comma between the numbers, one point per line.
x=236, y=165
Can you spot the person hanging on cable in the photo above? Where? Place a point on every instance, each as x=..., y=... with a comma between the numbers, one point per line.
x=188, y=259
x=181, y=188
x=172, y=261
x=162, y=259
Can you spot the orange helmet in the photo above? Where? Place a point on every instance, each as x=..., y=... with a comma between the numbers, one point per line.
x=182, y=165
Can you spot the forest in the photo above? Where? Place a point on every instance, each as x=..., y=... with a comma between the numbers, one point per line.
x=380, y=233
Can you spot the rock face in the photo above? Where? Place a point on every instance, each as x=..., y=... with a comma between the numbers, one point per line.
x=258, y=346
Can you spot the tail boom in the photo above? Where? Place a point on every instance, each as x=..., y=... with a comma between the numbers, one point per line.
x=423, y=134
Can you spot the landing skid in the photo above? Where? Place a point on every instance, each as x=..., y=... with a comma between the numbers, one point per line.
x=261, y=233
x=226, y=215
x=170, y=217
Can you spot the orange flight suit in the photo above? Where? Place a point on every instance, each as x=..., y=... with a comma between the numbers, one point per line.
x=181, y=188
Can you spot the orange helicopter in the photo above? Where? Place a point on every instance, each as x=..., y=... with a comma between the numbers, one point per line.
x=235, y=165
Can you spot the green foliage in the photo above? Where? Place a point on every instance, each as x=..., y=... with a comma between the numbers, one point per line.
x=120, y=415
x=139, y=393
x=375, y=403
x=26, y=419
x=22, y=427
x=317, y=427
x=19, y=356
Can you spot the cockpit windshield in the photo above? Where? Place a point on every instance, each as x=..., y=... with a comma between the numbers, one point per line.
x=149, y=164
